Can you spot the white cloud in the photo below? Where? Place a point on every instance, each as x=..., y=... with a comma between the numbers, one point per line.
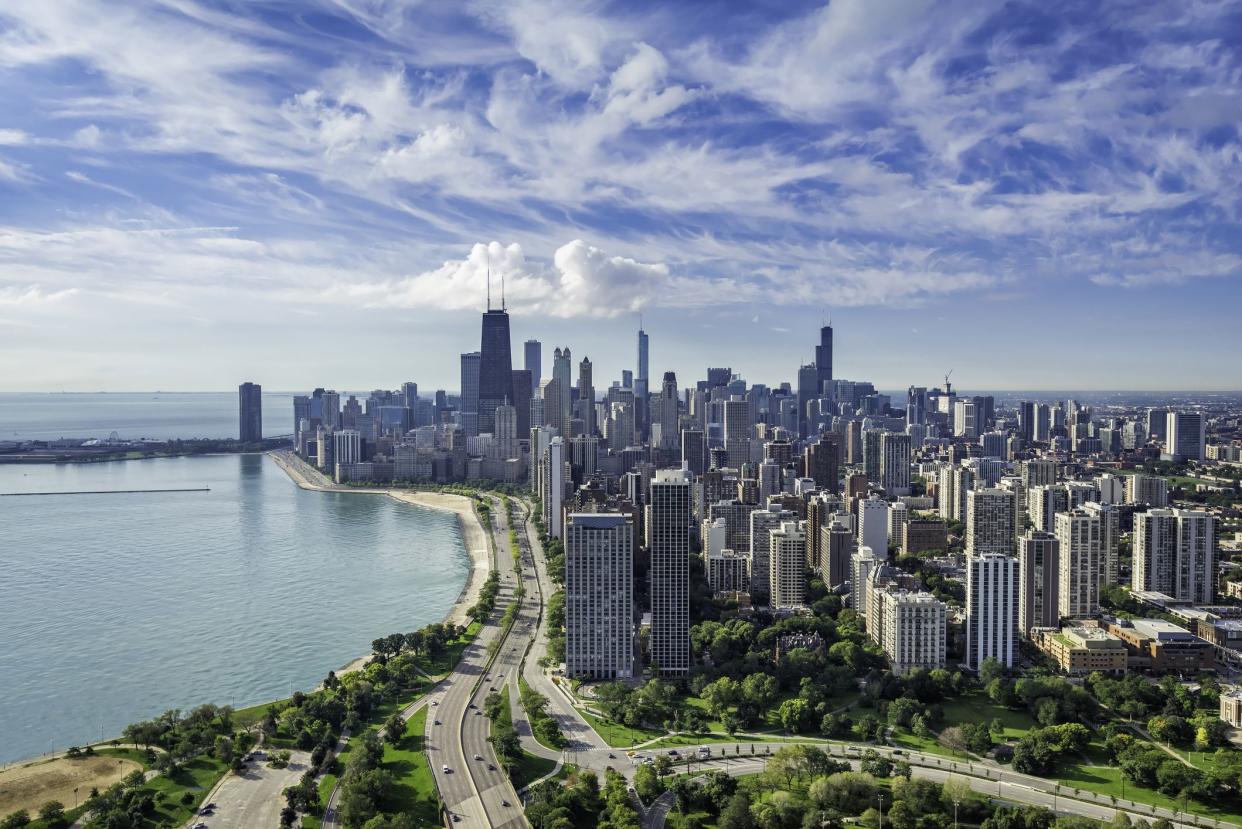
x=31, y=295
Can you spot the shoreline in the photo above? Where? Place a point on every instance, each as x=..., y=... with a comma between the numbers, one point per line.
x=474, y=540
x=474, y=537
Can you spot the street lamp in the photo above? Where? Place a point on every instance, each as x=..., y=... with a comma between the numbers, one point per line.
x=881, y=799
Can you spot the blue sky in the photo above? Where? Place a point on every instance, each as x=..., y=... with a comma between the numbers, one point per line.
x=1036, y=195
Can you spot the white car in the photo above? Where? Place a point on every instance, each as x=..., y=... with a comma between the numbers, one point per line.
x=446, y=769
x=478, y=756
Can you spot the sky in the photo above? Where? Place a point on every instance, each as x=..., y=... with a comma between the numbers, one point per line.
x=1032, y=195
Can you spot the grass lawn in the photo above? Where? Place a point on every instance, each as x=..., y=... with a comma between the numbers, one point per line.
x=528, y=767
x=978, y=708
x=414, y=790
x=1108, y=780
x=905, y=739
x=677, y=821
x=619, y=735
x=195, y=777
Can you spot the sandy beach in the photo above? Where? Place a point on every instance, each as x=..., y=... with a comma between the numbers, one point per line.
x=474, y=537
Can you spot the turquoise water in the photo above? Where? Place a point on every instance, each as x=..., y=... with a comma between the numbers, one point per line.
x=114, y=608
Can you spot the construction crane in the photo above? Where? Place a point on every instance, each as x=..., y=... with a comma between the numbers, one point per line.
x=948, y=387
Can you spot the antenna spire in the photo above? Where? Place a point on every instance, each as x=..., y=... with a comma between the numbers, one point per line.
x=488, y=250
x=502, y=290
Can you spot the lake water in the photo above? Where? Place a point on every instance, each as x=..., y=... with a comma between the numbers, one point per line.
x=114, y=608
x=155, y=414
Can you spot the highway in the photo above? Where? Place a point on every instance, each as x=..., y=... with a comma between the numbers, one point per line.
x=475, y=792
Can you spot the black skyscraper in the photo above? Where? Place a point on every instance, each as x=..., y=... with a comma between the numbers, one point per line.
x=823, y=360
x=495, y=368
x=250, y=412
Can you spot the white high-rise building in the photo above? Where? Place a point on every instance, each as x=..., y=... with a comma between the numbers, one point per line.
x=914, y=629
x=873, y=526
x=989, y=522
x=347, y=446
x=1078, y=582
x=553, y=483
x=668, y=543
x=952, y=485
x=991, y=609
x=1174, y=554
x=1038, y=580
x=599, y=596
x=966, y=419
x=861, y=565
x=787, y=545
x=1185, y=438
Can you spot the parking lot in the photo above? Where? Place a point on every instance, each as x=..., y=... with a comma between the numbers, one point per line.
x=253, y=799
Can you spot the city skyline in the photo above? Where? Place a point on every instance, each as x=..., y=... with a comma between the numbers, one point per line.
x=958, y=187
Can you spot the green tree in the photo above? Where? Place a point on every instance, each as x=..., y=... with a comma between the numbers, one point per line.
x=52, y=814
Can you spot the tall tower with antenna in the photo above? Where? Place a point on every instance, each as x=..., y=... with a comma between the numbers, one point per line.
x=495, y=359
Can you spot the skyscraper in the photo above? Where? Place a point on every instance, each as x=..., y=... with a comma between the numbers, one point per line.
x=599, y=596
x=521, y=399
x=533, y=362
x=991, y=609
x=668, y=410
x=787, y=579
x=668, y=545
x=562, y=369
x=823, y=361
x=495, y=368
x=250, y=412
x=873, y=526
x=1174, y=553
x=989, y=521
x=1038, y=580
x=821, y=461
x=1185, y=436
x=586, y=396
x=808, y=390
x=642, y=387
x=895, y=463
x=1078, y=578
x=470, y=366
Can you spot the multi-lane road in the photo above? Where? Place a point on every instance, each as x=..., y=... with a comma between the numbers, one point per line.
x=477, y=792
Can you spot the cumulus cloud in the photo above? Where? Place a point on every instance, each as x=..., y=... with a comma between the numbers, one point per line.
x=581, y=281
